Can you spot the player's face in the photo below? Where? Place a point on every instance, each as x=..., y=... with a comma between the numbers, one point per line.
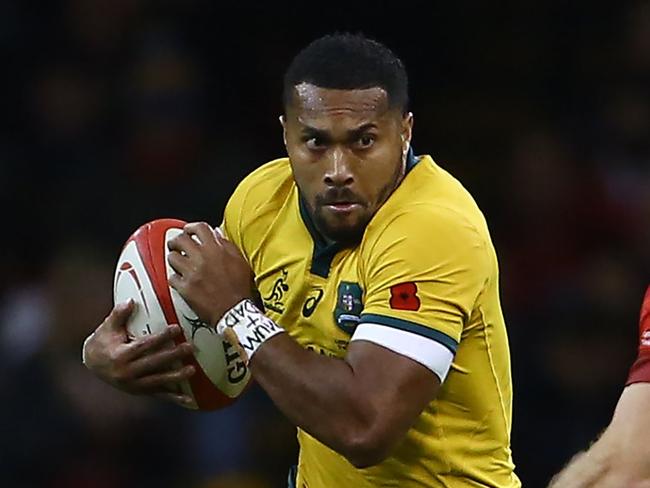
x=347, y=150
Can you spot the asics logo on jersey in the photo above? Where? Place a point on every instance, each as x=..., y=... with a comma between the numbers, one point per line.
x=275, y=299
x=311, y=303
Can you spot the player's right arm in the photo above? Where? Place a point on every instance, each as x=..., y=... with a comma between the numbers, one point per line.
x=621, y=457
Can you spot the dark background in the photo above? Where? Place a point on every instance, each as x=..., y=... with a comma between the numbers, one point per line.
x=116, y=112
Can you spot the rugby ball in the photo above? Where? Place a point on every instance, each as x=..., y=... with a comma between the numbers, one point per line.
x=141, y=274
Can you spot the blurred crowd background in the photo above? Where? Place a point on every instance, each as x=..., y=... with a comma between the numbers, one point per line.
x=116, y=112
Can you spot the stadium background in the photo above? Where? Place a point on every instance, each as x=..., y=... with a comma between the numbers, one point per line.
x=116, y=112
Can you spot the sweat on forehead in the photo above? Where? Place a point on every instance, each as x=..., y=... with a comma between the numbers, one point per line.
x=314, y=99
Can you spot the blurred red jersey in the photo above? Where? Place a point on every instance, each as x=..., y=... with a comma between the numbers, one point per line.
x=640, y=371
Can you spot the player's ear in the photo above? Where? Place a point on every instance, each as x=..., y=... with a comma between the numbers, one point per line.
x=407, y=131
x=283, y=123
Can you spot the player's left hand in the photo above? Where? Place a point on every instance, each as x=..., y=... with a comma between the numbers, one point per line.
x=211, y=275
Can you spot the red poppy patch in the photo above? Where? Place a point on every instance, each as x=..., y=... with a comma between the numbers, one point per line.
x=404, y=297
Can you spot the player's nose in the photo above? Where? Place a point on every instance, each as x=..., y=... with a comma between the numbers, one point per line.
x=338, y=170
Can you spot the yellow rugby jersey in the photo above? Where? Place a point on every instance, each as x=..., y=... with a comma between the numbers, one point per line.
x=425, y=265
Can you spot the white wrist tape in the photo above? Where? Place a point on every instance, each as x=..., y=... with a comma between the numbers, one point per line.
x=250, y=326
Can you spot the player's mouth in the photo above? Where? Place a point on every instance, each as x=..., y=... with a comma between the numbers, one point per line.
x=339, y=202
x=342, y=207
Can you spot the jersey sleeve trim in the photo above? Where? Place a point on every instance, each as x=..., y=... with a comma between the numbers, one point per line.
x=431, y=354
x=640, y=371
x=412, y=327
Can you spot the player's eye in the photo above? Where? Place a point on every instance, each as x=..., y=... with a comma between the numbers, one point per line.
x=315, y=143
x=366, y=141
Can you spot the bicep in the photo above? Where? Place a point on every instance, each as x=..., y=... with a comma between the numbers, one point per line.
x=398, y=388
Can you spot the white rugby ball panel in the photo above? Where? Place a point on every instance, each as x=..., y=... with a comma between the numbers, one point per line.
x=132, y=282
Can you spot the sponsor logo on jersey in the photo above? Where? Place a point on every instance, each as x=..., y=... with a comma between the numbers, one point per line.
x=404, y=296
x=275, y=299
x=311, y=303
x=347, y=313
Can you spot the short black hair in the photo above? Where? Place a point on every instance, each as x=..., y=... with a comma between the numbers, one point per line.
x=347, y=61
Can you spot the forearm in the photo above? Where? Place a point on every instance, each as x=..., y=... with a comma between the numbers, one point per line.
x=609, y=463
x=360, y=406
x=319, y=394
x=584, y=470
x=621, y=457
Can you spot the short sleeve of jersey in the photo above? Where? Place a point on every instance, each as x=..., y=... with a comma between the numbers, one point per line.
x=232, y=216
x=640, y=371
x=260, y=193
x=424, y=273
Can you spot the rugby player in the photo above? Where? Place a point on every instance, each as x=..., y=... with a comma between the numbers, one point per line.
x=379, y=330
x=620, y=458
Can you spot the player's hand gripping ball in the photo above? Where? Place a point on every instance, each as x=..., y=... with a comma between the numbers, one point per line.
x=142, y=274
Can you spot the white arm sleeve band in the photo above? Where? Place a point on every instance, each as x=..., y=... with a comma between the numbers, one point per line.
x=428, y=352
